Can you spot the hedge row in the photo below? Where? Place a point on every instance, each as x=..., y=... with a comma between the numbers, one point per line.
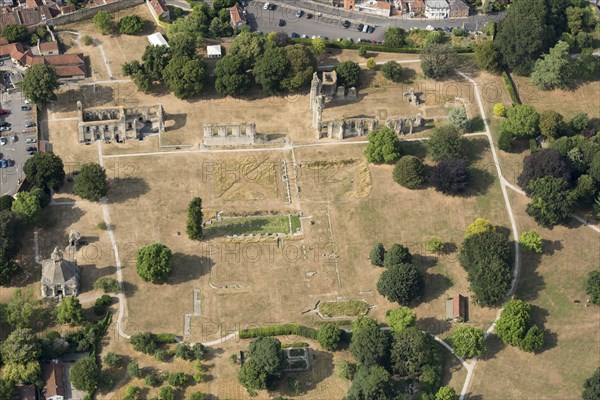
x=164, y=338
x=375, y=47
x=278, y=330
x=510, y=86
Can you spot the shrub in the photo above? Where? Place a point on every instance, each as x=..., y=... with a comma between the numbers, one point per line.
x=499, y=110
x=177, y=379
x=410, y=172
x=531, y=241
x=153, y=380
x=512, y=91
x=102, y=226
x=113, y=360
x=109, y=285
x=377, y=254
x=533, y=340
x=592, y=286
x=480, y=225
x=329, y=336
x=194, y=219
x=434, y=245
x=400, y=319
x=161, y=355
x=345, y=370
x=133, y=370
x=87, y=40
x=392, y=71
x=505, y=141
x=362, y=52
x=371, y=63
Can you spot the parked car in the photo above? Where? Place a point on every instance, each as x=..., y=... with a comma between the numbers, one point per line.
x=14, y=138
x=245, y=12
x=4, y=163
x=4, y=128
x=25, y=108
x=4, y=112
x=5, y=124
x=30, y=124
x=299, y=13
x=31, y=148
x=360, y=27
x=365, y=29
x=295, y=35
x=371, y=29
x=266, y=6
x=30, y=140
x=281, y=22
x=3, y=141
x=346, y=24
x=309, y=15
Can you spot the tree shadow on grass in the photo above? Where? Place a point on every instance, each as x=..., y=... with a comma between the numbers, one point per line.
x=434, y=326
x=480, y=182
x=474, y=148
x=424, y=262
x=416, y=148
x=321, y=368
x=539, y=316
x=493, y=345
x=189, y=267
x=435, y=286
x=531, y=283
x=123, y=189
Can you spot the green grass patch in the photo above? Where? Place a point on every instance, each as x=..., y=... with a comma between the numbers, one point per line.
x=343, y=308
x=252, y=225
x=296, y=223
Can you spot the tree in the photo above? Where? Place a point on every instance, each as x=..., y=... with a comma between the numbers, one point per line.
x=450, y=177
x=69, y=311
x=488, y=57
x=199, y=351
x=437, y=60
x=14, y=33
x=6, y=202
x=45, y=170
x=514, y=322
x=524, y=34
x=21, y=308
x=271, y=68
x=592, y=286
x=585, y=190
x=318, y=45
x=377, y=254
x=579, y=122
x=446, y=393
x=478, y=226
x=397, y=254
x=410, y=172
x=362, y=52
x=91, y=182
x=522, y=120
x=394, y=37
x=505, y=141
x=400, y=319
x=183, y=45
x=11, y=228
x=39, y=84
x=551, y=124
x=231, y=76
x=194, y=219
x=371, y=63
x=383, y=146
x=445, y=143
x=131, y=68
x=533, y=340
x=553, y=70
x=249, y=46
x=166, y=393
x=543, y=164
x=392, y=71
x=413, y=352
x=155, y=59
x=369, y=344
x=23, y=373
x=28, y=205
x=7, y=390
x=587, y=65
x=468, y=341
x=457, y=117
x=551, y=201
x=499, y=110
x=131, y=25
x=104, y=22
x=370, y=382
x=251, y=376
x=154, y=263
x=133, y=370
x=434, y=245
x=591, y=387
x=348, y=73
x=177, y=379
x=113, y=360
x=197, y=396
x=401, y=283
x=302, y=66
x=20, y=347
x=266, y=364
x=344, y=369
x=329, y=336
x=531, y=241
x=185, y=76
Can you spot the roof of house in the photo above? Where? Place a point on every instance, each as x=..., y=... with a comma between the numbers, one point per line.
x=53, y=379
x=383, y=5
x=437, y=4
x=456, y=307
x=48, y=46
x=458, y=4
x=236, y=15
x=159, y=6
x=70, y=71
x=213, y=50
x=57, y=270
x=60, y=59
x=26, y=392
x=157, y=39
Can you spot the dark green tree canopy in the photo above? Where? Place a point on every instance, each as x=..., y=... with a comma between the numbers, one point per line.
x=370, y=382
x=541, y=164
x=394, y=37
x=514, y=322
x=450, y=177
x=271, y=68
x=483, y=247
x=397, y=254
x=591, y=387
x=401, y=283
x=91, y=182
x=383, y=146
x=69, y=311
x=413, y=350
x=85, y=374
x=154, y=263
x=551, y=200
x=377, y=254
x=185, y=76
x=39, y=84
x=551, y=124
x=369, y=344
x=267, y=364
x=329, y=336
x=302, y=66
x=446, y=143
x=131, y=25
x=155, y=59
x=468, y=341
x=45, y=170
x=392, y=71
x=194, y=219
x=348, y=73
x=488, y=57
x=592, y=286
x=14, y=33
x=20, y=347
x=410, y=172
x=437, y=60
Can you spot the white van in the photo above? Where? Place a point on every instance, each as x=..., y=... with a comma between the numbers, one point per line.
x=365, y=28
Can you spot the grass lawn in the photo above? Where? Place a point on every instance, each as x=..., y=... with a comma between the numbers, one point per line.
x=251, y=226
x=343, y=308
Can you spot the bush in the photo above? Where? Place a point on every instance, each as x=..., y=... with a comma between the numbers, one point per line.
x=531, y=241
x=499, y=110
x=161, y=355
x=109, y=285
x=400, y=319
x=133, y=370
x=592, y=286
x=505, y=141
x=533, y=340
x=392, y=71
x=480, y=225
x=194, y=219
x=113, y=360
x=101, y=303
x=512, y=91
x=410, y=172
x=514, y=322
x=177, y=379
x=371, y=63
x=468, y=341
x=329, y=336
x=377, y=254
x=87, y=40
x=362, y=52
x=434, y=245
x=345, y=370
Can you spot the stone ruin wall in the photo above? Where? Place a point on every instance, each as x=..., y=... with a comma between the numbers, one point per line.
x=229, y=134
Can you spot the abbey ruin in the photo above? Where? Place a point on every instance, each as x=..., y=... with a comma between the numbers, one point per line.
x=229, y=134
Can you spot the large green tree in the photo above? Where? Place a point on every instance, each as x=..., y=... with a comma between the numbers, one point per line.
x=250, y=46
x=154, y=263
x=7, y=390
x=369, y=344
x=91, y=182
x=551, y=124
x=45, y=170
x=553, y=70
x=85, y=374
x=437, y=60
x=397, y=254
x=155, y=59
x=28, y=206
x=394, y=36
x=329, y=336
x=551, y=201
x=271, y=68
x=266, y=364
x=412, y=351
x=392, y=71
x=514, y=322
x=69, y=311
x=21, y=308
x=11, y=228
x=14, y=33
x=521, y=120
x=302, y=66
x=446, y=143
x=185, y=76
x=383, y=146
x=131, y=25
x=542, y=164
x=468, y=341
x=401, y=283
x=20, y=347
x=39, y=84
x=348, y=73
x=372, y=383
x=488, y=57
x=194, y=219
x=104, y=22
x=591, y=387
x=410, y=172
x=231, y=76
